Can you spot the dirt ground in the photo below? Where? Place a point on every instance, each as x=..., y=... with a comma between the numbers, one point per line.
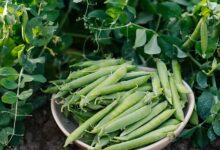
x=43, y=134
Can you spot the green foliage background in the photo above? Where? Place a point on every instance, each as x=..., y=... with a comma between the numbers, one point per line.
x=40, y=38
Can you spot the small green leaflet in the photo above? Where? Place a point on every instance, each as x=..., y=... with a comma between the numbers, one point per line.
x=201, y=79
x=9, y=72
x=9, y=97
x=152, y=46
x=16, y=50
x=180, y=53
x=8, y=84
x=5, y=118
x=204, y=104
x=140, y=39
x=25, y=94
x=216, y=126
x=4, y=135
x=77, y=1
x=211, y=134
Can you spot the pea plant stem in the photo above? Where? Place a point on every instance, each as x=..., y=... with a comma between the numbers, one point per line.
x=16, y=105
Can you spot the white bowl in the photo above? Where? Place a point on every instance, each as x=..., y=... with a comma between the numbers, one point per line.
x=68, y=126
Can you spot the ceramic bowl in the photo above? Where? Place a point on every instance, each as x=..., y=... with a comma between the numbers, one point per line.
x=68, y=126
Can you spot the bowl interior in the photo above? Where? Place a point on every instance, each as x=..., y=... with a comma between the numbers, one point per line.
x=68, y=126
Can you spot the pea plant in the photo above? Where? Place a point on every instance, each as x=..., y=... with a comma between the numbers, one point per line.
x=27, y=40
x=185, y=30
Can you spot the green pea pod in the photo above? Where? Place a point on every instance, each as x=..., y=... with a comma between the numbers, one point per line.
x=156, y=83
x=194, y=36
x=176, y=100
x=88, y=70
x=123, y=106
x=170, y=122
x=88, y=123
x=178, y=78
x=204, y=37
x=24, y=24
x=146, y=139
x=153, y=124
x=155, y=111
x=104, y=62
x=124, y=121
x=112, y=79
x=163, y=75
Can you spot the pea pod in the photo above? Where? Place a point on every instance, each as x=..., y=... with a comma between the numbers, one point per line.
x=91, y=121
x=194, y=36
x=176, y=100
x=170, y=122
x=124, y=121
x=124, y=105
x=145, y=140
x=154, y=123
x=77, y=83
x=204, y=37
x=163, y=75
x=88, y=70
x=94, y=93
x=124, y=85
x=156, y=83
x=178, y=78
x=89, y=63
x=148, y=138
x=135, y=74
x=24, y=24
x=155, y=111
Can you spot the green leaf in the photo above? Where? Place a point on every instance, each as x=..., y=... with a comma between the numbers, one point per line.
x=187, y=133
x=216, y=126
x=25, y=94
x=15, y=51
x=9, y=97
x=204, y=104
x=8, y=84
x=4, y=119
x=215, y=108
x=152, y=46
x=201, y=79
x=4, y=135
x=39, y=78
x=180, y=53
x=140, y=39
x=211, y=134
x=97, y=13
x=201, y=138
x=9, y=72
x=39, y=34
x=169, y=9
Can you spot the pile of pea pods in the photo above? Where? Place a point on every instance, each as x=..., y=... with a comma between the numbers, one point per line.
x=120, y=106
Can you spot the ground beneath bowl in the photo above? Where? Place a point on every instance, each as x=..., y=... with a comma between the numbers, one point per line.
x=43, y=134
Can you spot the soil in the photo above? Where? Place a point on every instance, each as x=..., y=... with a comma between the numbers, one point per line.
x=42, y=133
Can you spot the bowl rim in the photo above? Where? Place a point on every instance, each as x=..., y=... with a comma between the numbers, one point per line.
x=154, y=146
